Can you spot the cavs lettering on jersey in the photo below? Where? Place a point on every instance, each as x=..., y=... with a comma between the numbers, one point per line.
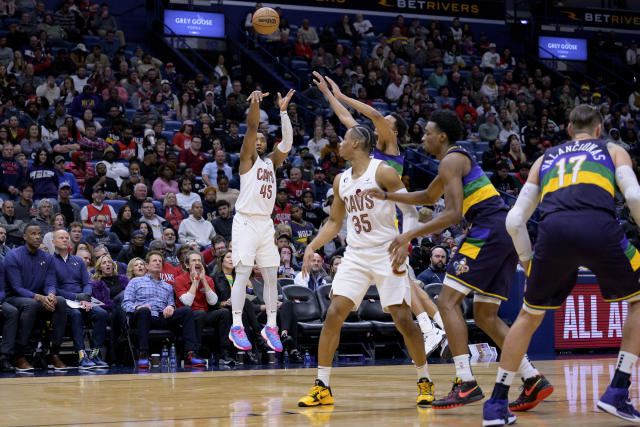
x=480, y=198
x=577, y=175
x=396, y=161
x=370, y=222
x=257, y=189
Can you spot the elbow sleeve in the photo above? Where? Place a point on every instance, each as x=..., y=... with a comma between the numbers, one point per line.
x=409, y=214
x=287, y=133
x=517, y=219
x=628, y=184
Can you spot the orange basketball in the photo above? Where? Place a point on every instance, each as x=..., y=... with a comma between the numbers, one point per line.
x=265, y=20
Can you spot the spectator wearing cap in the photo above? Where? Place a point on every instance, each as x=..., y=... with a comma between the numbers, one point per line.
x=100, y=179
x=195, y=227
x=101, y=236
x=137, y=248
x=281, y=208
x=49, y=89
x=85, y=100
x=89, y=212
x=182, y=139
x=585, y=95
x=212, y=169
x=491, y=58
x=116, y=170
x=43, y=176
x=64, y=205
x=223, y=223
x=207, y=106
x=68, y=177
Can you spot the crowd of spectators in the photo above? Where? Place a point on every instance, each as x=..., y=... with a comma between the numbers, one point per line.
x=119, y=175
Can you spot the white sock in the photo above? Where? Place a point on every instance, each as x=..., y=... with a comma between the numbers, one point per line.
x=425, y=323
x=422, y=371
x=505, y=377
x=324, y=373
x=526, y=368
x=463, y=367
x=438, y=319
x=626, y=362
x=270, y=294
x=239, y=292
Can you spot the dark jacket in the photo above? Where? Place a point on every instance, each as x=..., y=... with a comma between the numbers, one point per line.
x=101, y=291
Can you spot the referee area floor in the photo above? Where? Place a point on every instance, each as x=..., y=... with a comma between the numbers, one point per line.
x=381, y=394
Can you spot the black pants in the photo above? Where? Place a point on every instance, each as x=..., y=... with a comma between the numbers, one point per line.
x=10, y=315
x=29, y=310
x=143, y=321
x=116, y=320
x=219, y=319
x=287, y=321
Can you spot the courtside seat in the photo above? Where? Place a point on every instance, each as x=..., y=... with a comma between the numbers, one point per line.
x=371, y=310
x=354, y=324
x=307, y=309
x=285, y=281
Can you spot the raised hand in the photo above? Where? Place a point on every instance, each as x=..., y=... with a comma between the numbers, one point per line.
x=320, y=82
x=399, y=250
x=257, y=96
x=306, y=261
x=334, y=87
x=284, y=102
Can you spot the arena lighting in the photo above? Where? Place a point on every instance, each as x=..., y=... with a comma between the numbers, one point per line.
x=524, y=21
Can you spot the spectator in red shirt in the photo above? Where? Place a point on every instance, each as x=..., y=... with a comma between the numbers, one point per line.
x=296, y=185
x=218, y=245
x=464, y=107
x=182, y=139
x=303, y=48
x=281, y=209
x=193, y=157
x=80, y=168
x=196, y=290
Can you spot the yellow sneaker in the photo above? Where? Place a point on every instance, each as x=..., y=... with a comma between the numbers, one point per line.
x=319, y=395
x=425, y=392
x=318, y=415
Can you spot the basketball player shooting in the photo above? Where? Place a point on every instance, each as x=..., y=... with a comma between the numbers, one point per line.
x=370, y=229
x=252, y=231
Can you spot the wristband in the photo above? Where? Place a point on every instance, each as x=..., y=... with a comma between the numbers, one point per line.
x=196, y=278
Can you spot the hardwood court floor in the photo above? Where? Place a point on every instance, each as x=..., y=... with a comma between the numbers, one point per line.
x=365, y=396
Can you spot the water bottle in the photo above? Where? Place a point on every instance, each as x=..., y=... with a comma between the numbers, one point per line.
x=173, y=362
x=164, y=359
x=307, y=359
x=285, y=358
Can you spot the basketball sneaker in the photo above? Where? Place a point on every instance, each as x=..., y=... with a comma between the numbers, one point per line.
x=461, y=394
x=239, y=338
x=84, y=361
x=320, y=394
x=425, y=392
x=432, y=340
x=272, y=338
x=94, y=355
x=445, y=350
x=496, y=413
x=534, y=391
x=193, y=360
x=616, y=401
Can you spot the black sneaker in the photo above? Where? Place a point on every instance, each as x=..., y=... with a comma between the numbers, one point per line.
x=226, y=359
x=461, y=394
x=534, y=391
x=5, y=365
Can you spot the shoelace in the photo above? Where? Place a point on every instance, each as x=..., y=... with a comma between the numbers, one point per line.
x=425, y=387
x=240, y=333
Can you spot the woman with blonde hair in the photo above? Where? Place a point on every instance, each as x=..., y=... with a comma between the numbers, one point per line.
x=515, y=153
x=136, y=268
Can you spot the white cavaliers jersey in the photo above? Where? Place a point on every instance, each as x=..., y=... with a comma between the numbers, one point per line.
x=257, y=189
x=370, y=222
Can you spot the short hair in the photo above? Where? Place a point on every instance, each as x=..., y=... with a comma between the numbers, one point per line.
x=448, y=122
x=222, y=203
x=103, y=215
x=185, y=261
x=29, y=225
x=152, y=253
x=75, y=224
x=585, y=118
x=363, y=135
x=401, y=125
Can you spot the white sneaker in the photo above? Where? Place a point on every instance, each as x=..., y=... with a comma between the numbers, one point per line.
x=432, y=340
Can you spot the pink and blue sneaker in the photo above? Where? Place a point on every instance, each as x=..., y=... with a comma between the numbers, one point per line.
x=616, y=402
x=272, y=337
x=496, y=413
x=239, y=338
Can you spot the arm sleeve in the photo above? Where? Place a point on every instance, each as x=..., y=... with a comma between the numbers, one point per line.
x=628, y=184
x=212, y=298
x=517, y=219
x=187, y=299
x=287, y=133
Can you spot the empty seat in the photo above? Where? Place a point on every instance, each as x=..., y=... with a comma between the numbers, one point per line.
x=353, y=324
x=80, y=202
x=307, y=309
x=129, y=113
x=285, y=281
x=371, y=310
x=115, y=203
x=173, y=125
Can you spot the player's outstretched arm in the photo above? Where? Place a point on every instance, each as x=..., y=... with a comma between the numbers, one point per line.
x=626, y=179
x=520, y=213
x=386, y=135
x=329, y=230
x=248, y=149
x=450, y=172
x=343, y=114
x=281, y=150
x=429, y=196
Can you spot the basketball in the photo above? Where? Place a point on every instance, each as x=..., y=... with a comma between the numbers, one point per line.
x=265, y=20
